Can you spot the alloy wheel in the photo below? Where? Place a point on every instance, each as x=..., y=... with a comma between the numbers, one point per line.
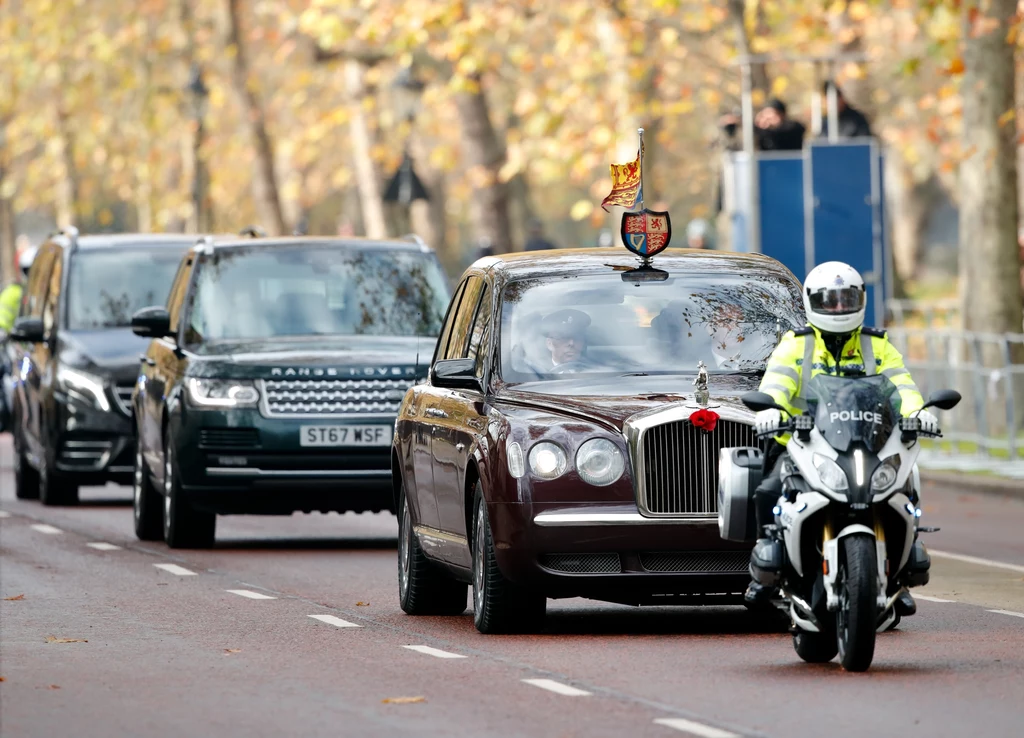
x=137, y=491
x=168, y=486
x=405, y=548
x=479, y=559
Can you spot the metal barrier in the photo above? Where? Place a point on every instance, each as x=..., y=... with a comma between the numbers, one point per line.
x=988, y=371
x=933, y=314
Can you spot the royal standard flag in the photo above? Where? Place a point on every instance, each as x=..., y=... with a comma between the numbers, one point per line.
x=626, y=184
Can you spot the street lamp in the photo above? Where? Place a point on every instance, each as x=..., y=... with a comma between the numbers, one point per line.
x=405, y=186
x=408, y=90
x=199, y=95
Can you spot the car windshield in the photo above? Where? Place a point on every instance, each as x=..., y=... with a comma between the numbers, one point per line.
x=854, y=410
x=315, y=290
x=107, y=286
x=616, y=323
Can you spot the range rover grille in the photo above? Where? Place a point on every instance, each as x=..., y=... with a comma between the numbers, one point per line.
x=681, y=465
x=717, y=562
x=585, y=563
x=298, y=397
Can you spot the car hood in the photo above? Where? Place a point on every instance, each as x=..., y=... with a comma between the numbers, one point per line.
x=594, y=400
x=357, y=357
x=109, y=352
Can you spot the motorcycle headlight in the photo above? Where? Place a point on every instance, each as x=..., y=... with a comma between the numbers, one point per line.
x=548, y=460
x=83, y=387
x=599, y=462
x=831, y=474
x=885, y=474
x=222, y=393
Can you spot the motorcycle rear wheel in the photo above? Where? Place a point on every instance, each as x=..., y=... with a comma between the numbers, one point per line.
x=857, y=617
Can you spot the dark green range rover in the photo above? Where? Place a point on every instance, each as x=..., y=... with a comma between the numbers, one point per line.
x=274, y=376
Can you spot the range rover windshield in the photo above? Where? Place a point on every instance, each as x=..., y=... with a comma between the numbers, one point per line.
x=106, y=286
x=315, y=290
x=605, y=325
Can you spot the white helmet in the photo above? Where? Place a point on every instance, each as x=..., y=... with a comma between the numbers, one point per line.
x=834, y=298
x=25, y=259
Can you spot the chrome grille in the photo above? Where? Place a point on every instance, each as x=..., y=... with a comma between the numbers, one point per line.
x=85, y=454
x=681, y=465
x=711, y=562
x=312, y=397
x=586, y=563
x=123, y=395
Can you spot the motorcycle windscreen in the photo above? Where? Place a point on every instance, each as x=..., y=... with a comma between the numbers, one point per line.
x=850, y=410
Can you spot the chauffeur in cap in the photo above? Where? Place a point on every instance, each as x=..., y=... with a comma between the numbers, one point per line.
x=565, y=334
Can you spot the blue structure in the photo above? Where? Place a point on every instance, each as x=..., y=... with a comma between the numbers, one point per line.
x=823, y=203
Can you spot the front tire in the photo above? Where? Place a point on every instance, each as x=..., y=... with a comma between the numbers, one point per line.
x=54, y=488
x=423, y=588
x=499, y=606
x=815, y=648
x=857, y=618
x=26, y=479
x=184, y=527
x=147, y=505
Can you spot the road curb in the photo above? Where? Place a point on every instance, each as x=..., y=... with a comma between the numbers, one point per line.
x=997, y=486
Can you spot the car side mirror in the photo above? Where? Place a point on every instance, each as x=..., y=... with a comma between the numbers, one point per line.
x=28, y=329
x=943, y=399
x=456, y=374
x=152, y=322
x=758, y=401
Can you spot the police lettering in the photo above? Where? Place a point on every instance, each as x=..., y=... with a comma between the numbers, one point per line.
x=845, y=415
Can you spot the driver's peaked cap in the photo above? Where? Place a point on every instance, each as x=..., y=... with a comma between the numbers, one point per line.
x=565, y=323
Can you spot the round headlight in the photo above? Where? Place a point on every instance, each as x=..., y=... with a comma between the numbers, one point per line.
x=884, y=476
x=547, y=460
x=599, y=462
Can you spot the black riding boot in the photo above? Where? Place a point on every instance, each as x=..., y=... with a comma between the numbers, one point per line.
x=765, y=559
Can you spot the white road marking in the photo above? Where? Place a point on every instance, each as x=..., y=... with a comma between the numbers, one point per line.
x=4, y=514
x=1009, y=612
x=331, y=620
x=435, y=652
x=688, y=726
x=976, y=560
x=44, y=528
x=926, y=598
x=175, y=569
x=100, y=546
x=250, y=594
x=552, y=686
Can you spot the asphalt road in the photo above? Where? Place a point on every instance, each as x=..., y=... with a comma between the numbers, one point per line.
x=166, y=643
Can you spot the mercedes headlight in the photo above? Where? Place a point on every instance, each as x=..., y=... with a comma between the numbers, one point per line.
x=548, y=460
x=599, y=462
x=886, y=473
x=832, y=476
x=222, y=393
x=84, y=387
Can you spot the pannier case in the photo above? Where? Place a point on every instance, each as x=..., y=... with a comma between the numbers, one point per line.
x=739, y=473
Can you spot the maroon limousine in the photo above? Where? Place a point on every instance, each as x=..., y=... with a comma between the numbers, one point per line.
x=564, y=444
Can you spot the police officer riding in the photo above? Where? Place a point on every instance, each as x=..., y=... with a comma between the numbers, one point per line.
x=835, y=342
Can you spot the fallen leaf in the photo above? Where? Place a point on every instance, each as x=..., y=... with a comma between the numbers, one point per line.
x=403, y=700
x=232, y=650
x=16, y=597
x=2, y=679
x=362, y=604
x=54, y=686
x=55, y=639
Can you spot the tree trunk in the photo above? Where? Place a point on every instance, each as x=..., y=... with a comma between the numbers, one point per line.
x=486, y=156
x=989, y=257
x=67, y=189
x=758, y=72
x=8, y=238
x=265, y=186
x=909, y=204
x=361, y=143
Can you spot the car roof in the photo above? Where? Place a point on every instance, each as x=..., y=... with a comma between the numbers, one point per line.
x=353, y=243
x=120, y=240
x=551, y=263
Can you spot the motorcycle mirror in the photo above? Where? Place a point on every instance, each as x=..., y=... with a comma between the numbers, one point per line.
x=943, y=399
x=758, y=401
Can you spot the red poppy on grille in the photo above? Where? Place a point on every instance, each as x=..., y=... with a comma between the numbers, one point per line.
x=706, y=420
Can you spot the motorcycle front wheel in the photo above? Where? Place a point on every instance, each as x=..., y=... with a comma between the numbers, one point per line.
x=857, y=586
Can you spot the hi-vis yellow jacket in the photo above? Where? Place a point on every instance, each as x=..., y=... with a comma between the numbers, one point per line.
x=10, y=301
x=867, y=350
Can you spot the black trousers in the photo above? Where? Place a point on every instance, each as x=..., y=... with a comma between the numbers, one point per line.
x=768, y=491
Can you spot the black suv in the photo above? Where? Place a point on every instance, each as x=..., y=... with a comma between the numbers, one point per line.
x=75, y=359
x=274, y=376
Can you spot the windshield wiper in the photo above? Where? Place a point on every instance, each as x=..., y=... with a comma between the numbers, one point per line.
x=635, y=374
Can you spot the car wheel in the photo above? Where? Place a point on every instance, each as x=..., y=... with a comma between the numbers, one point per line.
x=423, y=588
x=147, y=506
x=499, y=606
x=26, y=479
x=184, y=527
x=54, y=488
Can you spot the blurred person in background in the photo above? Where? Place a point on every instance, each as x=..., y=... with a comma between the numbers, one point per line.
x=536, y=240
x=10, y=303
x=774, y=130
x=697, y=234
x=852, y=122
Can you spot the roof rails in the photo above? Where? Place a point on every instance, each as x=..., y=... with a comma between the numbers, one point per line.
x=253, y=232
x=416, y=240
x=70, y=231
x=205, y=244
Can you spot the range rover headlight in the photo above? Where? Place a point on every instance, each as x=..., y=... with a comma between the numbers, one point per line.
x=548, y=460
x=886, y=473
x=84, y=387
x=831, y=473
x=599, y=462
x=222, y=393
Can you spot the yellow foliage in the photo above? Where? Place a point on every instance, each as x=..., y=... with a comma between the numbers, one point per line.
x=581, y=209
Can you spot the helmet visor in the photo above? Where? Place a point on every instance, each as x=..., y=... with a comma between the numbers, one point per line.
x=838, y=300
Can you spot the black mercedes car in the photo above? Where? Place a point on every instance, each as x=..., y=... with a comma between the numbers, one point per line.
x=75, y=359
x=273, y=379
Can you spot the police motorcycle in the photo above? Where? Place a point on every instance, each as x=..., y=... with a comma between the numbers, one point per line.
x=844, y=542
